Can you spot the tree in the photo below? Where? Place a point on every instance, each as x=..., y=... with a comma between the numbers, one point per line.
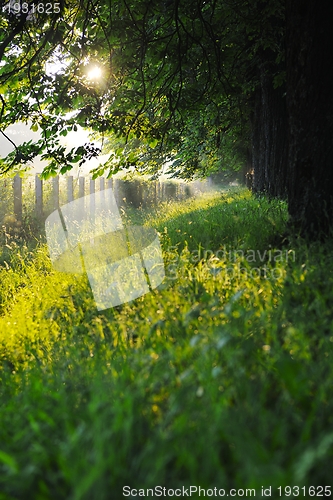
x=31, y=35
x=170, y=88
x=310, y=114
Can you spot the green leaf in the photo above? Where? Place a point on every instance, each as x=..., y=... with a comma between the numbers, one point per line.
x=9, y=461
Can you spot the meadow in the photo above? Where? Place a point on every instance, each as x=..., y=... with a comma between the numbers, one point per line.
x=222, y=377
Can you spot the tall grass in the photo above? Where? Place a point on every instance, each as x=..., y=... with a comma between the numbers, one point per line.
x=222, y=377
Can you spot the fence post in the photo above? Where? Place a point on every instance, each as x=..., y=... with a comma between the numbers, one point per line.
x=55, y=189
x=70, y=189
x=92, y=199
x=92, y=186
x=116, y=192
x=18, y=197
x=110, y=183
x=81, y=186
x=39, y=196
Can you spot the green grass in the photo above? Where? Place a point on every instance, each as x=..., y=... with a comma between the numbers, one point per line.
x=220, y=378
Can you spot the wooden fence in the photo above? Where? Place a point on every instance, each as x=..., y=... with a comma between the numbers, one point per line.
x=82, y=182
x=45, y=196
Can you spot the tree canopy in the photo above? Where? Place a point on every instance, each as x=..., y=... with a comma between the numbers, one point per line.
x=174, y=78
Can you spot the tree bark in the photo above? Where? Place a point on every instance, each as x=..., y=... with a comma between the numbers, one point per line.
x=269, y=137
x=309, y=68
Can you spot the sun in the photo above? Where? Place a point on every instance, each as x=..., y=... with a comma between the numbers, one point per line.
x=94, y=73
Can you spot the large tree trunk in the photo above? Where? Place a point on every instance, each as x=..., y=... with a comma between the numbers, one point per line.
x=309, y=69
x=269, y=136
